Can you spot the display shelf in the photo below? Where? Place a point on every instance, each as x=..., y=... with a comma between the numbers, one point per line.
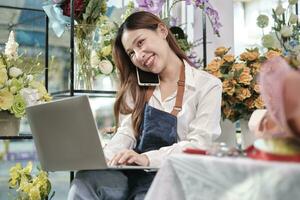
x=18, y=137
x=90, y=93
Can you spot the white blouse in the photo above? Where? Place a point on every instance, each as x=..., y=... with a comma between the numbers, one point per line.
x=198, y=123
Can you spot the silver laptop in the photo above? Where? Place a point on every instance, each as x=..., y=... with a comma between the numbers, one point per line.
x=66, y=136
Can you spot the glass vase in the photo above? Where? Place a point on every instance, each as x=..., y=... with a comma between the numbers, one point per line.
x=9, y=124
x=228, y=133
x=247, y=137
x=106, y=82
x=84, y=41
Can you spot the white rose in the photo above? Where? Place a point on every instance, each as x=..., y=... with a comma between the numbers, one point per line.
x=286, y=31
x=30, y=95
x=105, y=67
x=11, y=47
x=279, y=10
x=29, y=78
x=268, y=41
x=15, y=72
x=94, y=60
x=293, y=19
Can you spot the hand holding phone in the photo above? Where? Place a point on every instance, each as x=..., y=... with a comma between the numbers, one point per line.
x=147, y=78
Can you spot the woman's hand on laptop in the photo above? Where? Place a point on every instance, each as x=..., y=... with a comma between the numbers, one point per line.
x=129, y=157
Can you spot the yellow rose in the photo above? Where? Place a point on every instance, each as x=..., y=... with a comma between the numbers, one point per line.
x=106, y=51
x=258, y=103
x=14, y=175
x=229, y=87
x=245, y=77
x=27, y=170
x=271, y=54
x=3, y=76
x=25, y=185
x=6, y=99
x=256, y=88
x=34, y=193
x=243, y=93
x=229, y=58
x=249, y=56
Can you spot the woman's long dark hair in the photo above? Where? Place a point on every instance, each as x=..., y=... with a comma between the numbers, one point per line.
x=127, y=71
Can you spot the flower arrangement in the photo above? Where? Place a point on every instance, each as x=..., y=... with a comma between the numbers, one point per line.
x=285, y=34
x=240, y=95
x=87, y=14
x=18, y=87
x=29, y=187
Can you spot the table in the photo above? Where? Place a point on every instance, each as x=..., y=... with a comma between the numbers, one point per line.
x=196, y=177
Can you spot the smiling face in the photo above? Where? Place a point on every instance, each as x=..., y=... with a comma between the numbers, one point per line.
x=147, y=49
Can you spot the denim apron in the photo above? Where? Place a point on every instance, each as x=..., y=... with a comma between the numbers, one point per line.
x=158, y=129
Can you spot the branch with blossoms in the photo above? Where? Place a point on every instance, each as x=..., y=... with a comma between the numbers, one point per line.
x=155, y=7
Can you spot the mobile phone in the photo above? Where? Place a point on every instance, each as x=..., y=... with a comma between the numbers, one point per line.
x=147, y=78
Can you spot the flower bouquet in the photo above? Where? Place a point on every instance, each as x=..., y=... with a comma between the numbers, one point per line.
x=30, y=187
x=86, y=15
x=18, y=87
x=240, y=95
x=284, y=35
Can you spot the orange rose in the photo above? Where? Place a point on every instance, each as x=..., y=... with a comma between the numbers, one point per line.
x=238, y=66
x=245, y=77
x=255, y=67
x=256, y=88
x=271, y=54
x=249, y=55
x=214, y=65
x=229, y=58
x=243, y=93
x=258, y=103
x=221, y=51
x=228, y=87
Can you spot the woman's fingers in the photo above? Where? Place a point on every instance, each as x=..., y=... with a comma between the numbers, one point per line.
x=115, y=159
x=129, y=157
x=126, y=156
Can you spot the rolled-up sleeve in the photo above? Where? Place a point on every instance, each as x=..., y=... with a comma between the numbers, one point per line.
x=123, y=139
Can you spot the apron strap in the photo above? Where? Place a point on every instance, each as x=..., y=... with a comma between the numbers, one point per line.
x=180, y=91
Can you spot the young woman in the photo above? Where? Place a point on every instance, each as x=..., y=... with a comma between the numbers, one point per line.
x=154, y=122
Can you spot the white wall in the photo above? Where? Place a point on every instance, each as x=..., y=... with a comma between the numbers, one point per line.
x=225, y=10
